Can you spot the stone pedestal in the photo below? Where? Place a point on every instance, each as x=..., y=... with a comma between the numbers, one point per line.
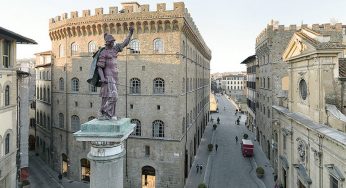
x=107, y=150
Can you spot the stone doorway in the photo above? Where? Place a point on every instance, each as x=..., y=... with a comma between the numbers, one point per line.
x=85, y=169
x=148, y=177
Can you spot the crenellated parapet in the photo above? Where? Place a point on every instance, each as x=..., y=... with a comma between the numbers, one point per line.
x=198, y=37
x=117, y=21
x=274, y=28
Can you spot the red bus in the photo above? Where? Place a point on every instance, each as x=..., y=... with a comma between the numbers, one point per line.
x=247, y=148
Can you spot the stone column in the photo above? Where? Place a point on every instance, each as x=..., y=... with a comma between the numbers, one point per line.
x=107, y=150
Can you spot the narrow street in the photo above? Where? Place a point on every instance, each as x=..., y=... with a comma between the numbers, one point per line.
x=42, y=176
x=226, y=167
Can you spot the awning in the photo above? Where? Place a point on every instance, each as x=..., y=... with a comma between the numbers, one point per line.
x=335, y=172
x=284, y=162
x=302, y=175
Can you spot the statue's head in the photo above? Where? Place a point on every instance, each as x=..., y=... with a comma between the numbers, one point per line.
x=109, y=39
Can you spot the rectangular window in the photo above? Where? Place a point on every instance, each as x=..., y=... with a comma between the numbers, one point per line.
x=284, y=142
x=6, y=54
x=131, y=106
x=147, y=151
x=333, y=182
x=158, y=107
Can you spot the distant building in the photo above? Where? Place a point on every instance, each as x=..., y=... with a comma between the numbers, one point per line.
x=234, y=85
x=251, y=65
x=164, y=86
x=8, y=107
x=43, y=127
x=309, y=124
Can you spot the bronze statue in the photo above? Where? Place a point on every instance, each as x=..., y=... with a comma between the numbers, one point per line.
x=104, y=71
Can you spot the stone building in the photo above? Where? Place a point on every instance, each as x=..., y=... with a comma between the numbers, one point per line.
x=8, y=106
x=234, y=84
x=43, y=128
x=251, y=67
x=309, y=123
x=270, y=45
x=163, y=86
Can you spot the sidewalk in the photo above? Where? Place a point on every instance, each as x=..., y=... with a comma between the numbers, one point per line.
x=202, y=158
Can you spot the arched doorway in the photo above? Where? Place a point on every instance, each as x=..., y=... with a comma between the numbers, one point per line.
x=64, y=164
x=85, y=169
x=31, y=142
x=148, y=177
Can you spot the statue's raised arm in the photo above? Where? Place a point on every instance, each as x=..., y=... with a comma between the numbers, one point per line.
x=120, y=46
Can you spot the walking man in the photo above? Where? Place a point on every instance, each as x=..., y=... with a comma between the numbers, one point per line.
x=200, y=168
x=236, y=139
x=197, y=167
x=60, y=177
x=216, y=146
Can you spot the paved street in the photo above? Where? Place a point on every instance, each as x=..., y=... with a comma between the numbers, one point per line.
x=41, y=176
x=227, y=167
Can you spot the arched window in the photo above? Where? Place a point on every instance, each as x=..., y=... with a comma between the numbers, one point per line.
x=44, y=120
x=158, y=46
x=61, y=84
x=7, y=95
x=75, y=123
x=41, y=119
x=159, y=86
x=74, y=49
x=135, y=46
x=158, y=129
x=44, y=93
x=48, y=95
x=41, y=95
x=75, y=84
x=37, y=118
x=92, y=47
x=135, y=86
x=61, y=51
x=48, y=122
x=7, y=144
x=61, y=120
x=138, y=129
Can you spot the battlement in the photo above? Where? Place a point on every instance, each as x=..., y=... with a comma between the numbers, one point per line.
x=275, y=27
x=127, y=8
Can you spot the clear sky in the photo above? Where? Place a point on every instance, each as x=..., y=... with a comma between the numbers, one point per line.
x=229, y=27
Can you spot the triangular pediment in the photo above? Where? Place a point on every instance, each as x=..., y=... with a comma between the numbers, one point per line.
x=298, y=45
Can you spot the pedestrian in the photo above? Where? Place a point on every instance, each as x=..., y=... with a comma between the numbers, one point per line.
x=216, y=146
x=200, y=168
x=60, y=177
x=236, y=139
x=197, y=167
x=218, y=120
